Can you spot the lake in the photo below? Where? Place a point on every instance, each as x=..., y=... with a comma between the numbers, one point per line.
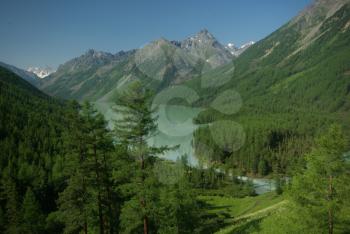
x=175, y=128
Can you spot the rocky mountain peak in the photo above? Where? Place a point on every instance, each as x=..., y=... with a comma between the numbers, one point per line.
x=203, y=39
x=205, y=34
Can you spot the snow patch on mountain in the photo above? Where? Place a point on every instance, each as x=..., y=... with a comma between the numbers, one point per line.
x=41, y=72
x=247, y=45
x=236, y=51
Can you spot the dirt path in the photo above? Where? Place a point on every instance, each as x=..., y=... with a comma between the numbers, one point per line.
x=261, y=212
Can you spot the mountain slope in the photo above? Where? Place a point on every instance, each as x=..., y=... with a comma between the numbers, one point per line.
x=10, y=79
x=292, y=66
x=28, y=76
x=86, y=76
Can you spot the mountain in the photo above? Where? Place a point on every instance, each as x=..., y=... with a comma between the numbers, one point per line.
x=28, y=76
x=41, y=72
x=291, y=85
x=97, y=75
x=89, y=76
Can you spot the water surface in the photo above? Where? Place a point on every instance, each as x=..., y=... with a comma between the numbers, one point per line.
x=175, y=124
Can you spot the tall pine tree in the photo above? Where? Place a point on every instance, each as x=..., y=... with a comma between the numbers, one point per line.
x=321, y=191
x=89, y=167
x=136, y=126
x=32, y=217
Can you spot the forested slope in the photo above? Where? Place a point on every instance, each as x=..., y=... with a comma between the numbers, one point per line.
x=293, y=84
x=63, y=171
x=31, y=138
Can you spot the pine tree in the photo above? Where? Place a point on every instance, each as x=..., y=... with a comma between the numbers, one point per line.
x=89, y=187
x=99, y=146
x=75, y=205
x=12, y=205
x=74, y=200
x=322, y=189
x=2, y=220
x=32, y=217
x=178, y=211
x=278, y=180
x=137, y=125
x=262, y=167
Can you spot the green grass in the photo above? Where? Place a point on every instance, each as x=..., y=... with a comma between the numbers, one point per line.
x=238, y=212
x=241, y=206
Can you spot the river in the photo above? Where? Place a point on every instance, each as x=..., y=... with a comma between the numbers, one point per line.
x=261, y=186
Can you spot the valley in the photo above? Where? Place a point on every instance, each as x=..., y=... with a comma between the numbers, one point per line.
x=184, y=134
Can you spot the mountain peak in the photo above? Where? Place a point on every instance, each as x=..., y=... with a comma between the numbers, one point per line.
x=162, y=40
x=202, y=38
x=204, y=33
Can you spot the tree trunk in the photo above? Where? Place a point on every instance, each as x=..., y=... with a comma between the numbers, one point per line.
x=100, y=214
x=145, y=225
x=108, y=221
x=330, y=221
x=82, y=158
x=85, y=228
x=143, y=202
x=330, y=211
x=99, y=200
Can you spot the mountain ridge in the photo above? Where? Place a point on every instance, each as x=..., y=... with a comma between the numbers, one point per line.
x=159, y=63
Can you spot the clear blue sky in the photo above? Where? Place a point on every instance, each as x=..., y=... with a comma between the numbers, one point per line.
x=50, y=32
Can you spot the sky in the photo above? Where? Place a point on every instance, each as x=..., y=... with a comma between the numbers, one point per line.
x=50, y=32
